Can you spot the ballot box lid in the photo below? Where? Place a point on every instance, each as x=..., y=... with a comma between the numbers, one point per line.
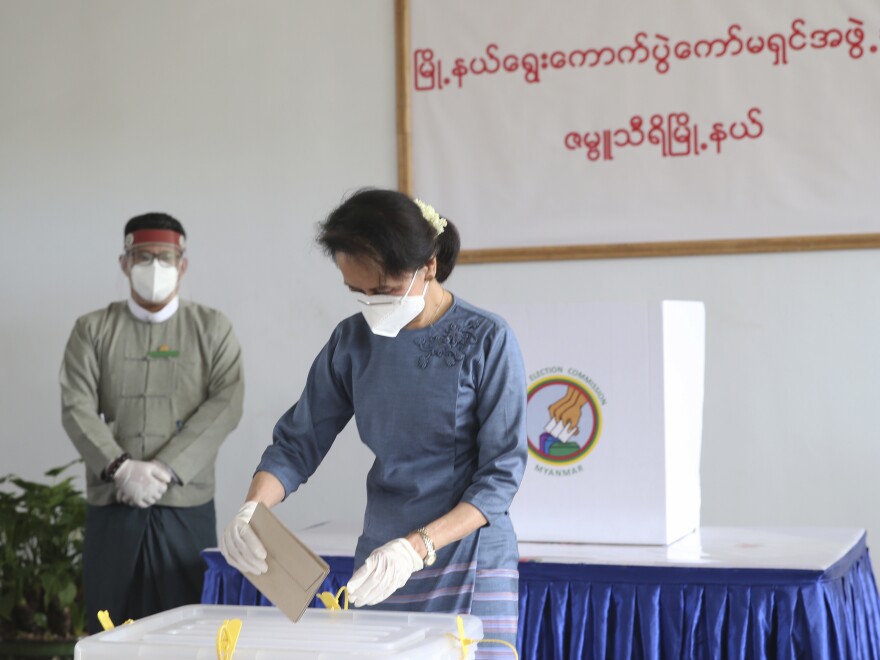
x=190, y=632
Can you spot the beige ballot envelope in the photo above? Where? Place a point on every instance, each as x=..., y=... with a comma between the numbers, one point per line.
x=295, y=572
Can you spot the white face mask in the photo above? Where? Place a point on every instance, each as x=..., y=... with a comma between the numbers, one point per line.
x=154, y=282
x=387, y=315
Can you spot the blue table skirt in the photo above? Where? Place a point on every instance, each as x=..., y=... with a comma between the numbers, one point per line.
x=599, y=611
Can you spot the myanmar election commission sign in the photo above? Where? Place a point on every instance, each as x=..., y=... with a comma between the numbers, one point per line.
x=614, y=421
x=572, y=122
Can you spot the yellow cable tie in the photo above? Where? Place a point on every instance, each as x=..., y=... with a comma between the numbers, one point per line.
x=107, y=623
x=331, y=602
x=501, y=641
x=227, y=638
x=104, y=620
x=328, y=601
x=467, y=641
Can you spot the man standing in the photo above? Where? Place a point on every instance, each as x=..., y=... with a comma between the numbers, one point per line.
x=150, y=388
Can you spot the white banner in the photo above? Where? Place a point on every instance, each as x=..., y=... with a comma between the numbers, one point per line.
x=568, y=122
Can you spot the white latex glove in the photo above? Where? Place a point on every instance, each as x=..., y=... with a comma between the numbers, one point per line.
x=140, y=483
x=240, y=545
x=386, y=570
x=172, y=475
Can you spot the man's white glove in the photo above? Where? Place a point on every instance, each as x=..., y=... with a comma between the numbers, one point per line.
x=386, y=570
x=141, y=483
x=240, y=545
x=172, y=475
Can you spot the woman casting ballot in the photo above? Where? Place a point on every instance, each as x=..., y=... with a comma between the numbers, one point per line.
x=437, y=389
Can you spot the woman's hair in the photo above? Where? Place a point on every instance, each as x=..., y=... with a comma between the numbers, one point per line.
x=388, y=228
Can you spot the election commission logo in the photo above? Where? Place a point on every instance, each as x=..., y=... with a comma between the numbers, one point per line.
x=563, y=420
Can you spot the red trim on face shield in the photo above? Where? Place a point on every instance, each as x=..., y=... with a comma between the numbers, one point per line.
x=143, y=236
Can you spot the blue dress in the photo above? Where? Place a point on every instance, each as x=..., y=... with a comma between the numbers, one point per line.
x=443, y=410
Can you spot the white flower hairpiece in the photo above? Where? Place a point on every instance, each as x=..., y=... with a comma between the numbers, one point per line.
x=433, y=218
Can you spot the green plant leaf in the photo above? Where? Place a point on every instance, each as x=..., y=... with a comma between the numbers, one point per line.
x=54, y=472
x=67, y=594
x=41, y=540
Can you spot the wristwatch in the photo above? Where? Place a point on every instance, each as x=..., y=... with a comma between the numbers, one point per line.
x=431, y=557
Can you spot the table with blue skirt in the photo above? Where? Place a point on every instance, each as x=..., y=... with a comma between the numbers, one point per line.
x=721, y=592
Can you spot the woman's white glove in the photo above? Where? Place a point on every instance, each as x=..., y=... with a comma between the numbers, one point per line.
x=141, y=483
x=240, y=545
x=386, y=570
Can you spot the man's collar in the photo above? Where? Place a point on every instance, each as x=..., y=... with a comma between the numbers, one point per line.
x=147, y=316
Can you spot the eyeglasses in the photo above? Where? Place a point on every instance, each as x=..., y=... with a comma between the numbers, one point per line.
x=166, y=258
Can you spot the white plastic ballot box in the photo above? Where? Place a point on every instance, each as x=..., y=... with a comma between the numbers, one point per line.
x=615, y=417
x=190, y=632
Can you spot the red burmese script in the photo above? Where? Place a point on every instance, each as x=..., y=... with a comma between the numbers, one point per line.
x=672, y=133
x=658, y=51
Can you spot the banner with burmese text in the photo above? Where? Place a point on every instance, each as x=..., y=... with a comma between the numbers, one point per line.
x=573, y=122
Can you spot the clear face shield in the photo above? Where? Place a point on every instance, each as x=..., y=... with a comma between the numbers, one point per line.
x=154, y=272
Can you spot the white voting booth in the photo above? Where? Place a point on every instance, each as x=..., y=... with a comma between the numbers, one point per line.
x=615, y=402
